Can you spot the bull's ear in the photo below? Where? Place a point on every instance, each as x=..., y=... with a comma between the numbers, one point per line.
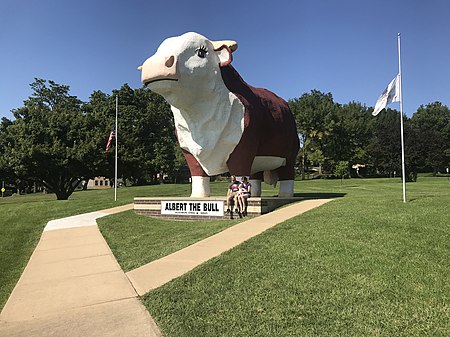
x=229, y=43
x=225, y=56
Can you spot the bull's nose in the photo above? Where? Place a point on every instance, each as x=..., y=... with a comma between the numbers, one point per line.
x=170, y=61
x=157, y=68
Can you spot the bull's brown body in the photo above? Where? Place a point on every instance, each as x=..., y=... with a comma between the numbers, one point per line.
x=269, y=130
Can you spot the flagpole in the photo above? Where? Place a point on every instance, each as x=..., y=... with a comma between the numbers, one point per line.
x=115, y=160
x=401, y=122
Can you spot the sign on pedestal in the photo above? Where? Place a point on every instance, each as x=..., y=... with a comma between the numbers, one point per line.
x=192, y=207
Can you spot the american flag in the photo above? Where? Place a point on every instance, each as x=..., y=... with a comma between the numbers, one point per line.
x=111, y=137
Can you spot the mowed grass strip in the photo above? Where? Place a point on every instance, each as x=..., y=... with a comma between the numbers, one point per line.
x=136, y=240
x=363, y=265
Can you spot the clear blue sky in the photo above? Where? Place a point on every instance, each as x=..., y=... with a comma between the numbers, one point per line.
x=346, y=47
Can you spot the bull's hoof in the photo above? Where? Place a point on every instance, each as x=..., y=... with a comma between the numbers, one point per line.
x=286, y=189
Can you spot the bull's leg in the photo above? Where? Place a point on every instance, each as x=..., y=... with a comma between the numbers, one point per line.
x=286, y=175
x=286, y=189
x=200, y=187
x=255, y=181
x=200, y=180
x=256, y=187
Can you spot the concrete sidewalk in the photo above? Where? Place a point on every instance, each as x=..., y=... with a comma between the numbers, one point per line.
x=73, y=285
x=159, y=272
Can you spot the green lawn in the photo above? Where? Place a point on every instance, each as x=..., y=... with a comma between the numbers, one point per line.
x=363, y=265
x=137, y=240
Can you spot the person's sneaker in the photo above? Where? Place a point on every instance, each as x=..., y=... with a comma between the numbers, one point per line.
x=228, y=211
x=236, y=211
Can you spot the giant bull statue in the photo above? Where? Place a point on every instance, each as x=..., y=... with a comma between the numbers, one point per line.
x=222, y=123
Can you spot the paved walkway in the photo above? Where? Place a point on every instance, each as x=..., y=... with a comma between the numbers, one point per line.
x=159, y=272
x=73, y=285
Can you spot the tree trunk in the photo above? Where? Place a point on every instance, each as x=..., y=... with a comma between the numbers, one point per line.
x=62, y=195
x=303, y=165
x=62, y=187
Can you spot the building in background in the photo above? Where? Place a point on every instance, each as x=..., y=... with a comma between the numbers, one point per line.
x=100, y=182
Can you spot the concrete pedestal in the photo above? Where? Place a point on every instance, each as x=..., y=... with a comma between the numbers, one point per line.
x=184, y=208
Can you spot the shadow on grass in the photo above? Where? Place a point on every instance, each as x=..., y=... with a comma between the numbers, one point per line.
x=329, y=195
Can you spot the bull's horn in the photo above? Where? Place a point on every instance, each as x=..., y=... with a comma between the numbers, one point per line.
x=229, y=43
x=140, y=68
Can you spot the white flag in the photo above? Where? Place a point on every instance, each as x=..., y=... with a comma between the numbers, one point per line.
x=389, y=95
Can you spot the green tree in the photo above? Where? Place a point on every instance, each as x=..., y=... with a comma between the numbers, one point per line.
x=6, y=141
x=101, y=110
x=384, y=149
x=52, y=139
x=431, y=125
x=146, y=138
x=341, y=169
x=312, y=112
x=412, y=154
x=159, y=135
x=351, y=133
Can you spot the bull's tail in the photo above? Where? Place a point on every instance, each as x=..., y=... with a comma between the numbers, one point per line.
x=271, y=178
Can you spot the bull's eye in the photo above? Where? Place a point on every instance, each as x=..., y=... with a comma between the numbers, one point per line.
x=201, y=52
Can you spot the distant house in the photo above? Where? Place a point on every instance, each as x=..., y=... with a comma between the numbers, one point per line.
x=99, y=182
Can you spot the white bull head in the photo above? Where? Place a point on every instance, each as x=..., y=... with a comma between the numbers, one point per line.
x=184, y=62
